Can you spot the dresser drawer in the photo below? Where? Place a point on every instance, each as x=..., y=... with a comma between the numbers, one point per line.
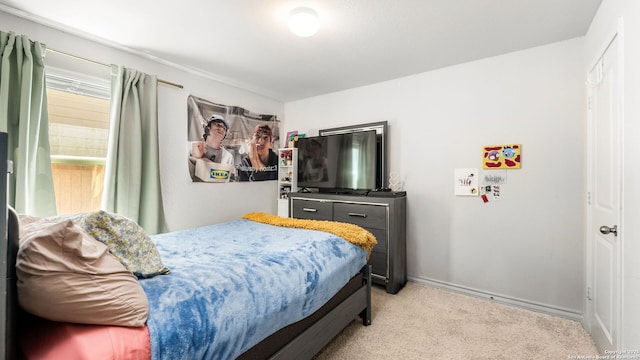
x=314, y=210
x=381, y=236
x=367, y=216
x=378, y=262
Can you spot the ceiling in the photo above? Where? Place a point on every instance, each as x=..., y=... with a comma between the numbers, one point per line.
x=246, y=43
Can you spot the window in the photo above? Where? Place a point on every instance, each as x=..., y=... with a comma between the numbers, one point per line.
x=78, y=132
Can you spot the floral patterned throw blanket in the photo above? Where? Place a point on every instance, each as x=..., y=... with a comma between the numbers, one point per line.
x=233, y=284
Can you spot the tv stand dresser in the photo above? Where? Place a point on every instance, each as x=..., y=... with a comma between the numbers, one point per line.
x=383, y=216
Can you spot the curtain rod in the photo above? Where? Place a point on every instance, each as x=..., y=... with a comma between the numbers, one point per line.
x=107, y=65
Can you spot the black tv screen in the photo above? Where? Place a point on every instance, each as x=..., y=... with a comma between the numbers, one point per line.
x=338, y=162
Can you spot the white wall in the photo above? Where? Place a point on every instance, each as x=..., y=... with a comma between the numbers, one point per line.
x=186, y=204
x=528, y=246
x=602, y=26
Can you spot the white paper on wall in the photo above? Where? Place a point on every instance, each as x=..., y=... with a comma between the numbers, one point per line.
x=494, y=177
x=466, y=182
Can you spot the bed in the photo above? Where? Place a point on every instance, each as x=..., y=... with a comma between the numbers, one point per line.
x=260, y=287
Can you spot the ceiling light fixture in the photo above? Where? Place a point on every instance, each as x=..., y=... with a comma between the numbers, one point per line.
x=303, y=22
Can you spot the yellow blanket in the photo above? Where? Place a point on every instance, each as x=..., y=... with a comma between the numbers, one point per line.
x=350, y=232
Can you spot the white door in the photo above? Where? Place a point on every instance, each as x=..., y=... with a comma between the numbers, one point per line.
x=603, y=261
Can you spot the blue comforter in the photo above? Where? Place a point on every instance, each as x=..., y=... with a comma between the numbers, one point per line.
x=233, y=284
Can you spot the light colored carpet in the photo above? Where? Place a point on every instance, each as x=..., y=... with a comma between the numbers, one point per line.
x=422, y=322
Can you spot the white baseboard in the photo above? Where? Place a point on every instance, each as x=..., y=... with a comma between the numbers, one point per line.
x=525, y=304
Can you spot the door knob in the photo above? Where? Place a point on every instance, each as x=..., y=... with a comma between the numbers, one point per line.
x=606, y=230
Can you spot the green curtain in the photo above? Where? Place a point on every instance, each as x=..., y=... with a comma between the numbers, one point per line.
x=23, y=115
x=132, y=174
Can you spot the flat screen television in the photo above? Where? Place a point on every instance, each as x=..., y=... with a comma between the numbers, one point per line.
x=339, y=162
x=382, y=161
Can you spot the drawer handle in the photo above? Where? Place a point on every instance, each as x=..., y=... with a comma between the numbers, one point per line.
x=358, y=215
x=309, y=210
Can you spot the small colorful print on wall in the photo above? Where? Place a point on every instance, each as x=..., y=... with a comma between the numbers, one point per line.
x=501, y=156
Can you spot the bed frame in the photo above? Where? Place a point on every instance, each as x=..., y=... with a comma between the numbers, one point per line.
x=301, y=340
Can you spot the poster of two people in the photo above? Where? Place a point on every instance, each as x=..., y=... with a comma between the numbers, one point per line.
x=228, y=143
